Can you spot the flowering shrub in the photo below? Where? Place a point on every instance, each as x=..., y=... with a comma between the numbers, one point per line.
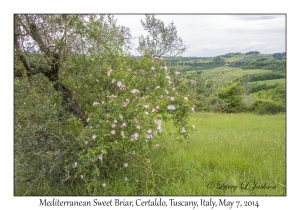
x=128, y=105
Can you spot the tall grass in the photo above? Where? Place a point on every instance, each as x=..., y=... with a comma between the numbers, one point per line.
x=227, y=149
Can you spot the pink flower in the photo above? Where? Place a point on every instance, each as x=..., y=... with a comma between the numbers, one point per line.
x=122, y=87
x=171, y=107
x=148, y=136
x=104, y=185
x=123, y=124
x=124, y=104
x=95, y=103
x=135, y=91
x=166, y=68
x=113, y=80
x=152, y=68
x=108, y=73
x=146, y=106
x=107, y=121
x=122, y=134
x=113, y=125
x=172, y=98
x=154, y=110
x=177, y=72
x=158, y=122
x=138, y=126
x=146, y=113
x=125, y=165
x=97, y=80
x=157, y=107
x=94, y=137
x=119, y=83
x=149, y=131
x=136, y=120
x=100, y=157
x=134, y=136
x=142, y=71
x=156, y=145
x=113, y=131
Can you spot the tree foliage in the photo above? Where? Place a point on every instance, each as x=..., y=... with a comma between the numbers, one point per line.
x=162, y=40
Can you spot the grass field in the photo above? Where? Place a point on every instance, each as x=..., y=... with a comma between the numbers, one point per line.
x=231, y=73
x=227, y=154
x=235, y=58
x=228, y=150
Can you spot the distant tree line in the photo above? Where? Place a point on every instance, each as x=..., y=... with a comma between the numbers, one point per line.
x=261, y=77
x=252, y=53
x=216, y=62
x=268, y=64
x=279, y=56
x=230, y=55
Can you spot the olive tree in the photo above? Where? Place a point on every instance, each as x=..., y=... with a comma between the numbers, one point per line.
x=44, y=44
x=162, y=40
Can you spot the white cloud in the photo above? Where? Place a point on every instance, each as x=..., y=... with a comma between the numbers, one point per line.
x=253, y=45
x=211, y=35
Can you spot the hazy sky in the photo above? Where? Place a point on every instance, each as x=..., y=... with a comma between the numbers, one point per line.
x=212, y=35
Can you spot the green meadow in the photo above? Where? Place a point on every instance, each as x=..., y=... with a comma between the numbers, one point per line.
x=231, y=73
x=226, y=153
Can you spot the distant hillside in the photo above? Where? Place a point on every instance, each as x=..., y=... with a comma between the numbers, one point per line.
x=263, y=71
x=250, y=60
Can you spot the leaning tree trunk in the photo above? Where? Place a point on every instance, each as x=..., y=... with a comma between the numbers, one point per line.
x=50, y=70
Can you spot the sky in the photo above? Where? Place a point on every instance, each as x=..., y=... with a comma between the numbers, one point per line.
x=213, y=35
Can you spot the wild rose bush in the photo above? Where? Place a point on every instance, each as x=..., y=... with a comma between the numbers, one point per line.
x=128, y=104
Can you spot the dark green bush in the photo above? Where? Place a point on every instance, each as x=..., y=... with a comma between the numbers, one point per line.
x=267, y=107
x=232, y=94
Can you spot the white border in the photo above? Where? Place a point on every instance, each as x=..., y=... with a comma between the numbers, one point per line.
x=8, y=8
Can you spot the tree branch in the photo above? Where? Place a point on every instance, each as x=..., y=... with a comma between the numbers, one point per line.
x=36, y=36
x=72, y=104
x=34, y=70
